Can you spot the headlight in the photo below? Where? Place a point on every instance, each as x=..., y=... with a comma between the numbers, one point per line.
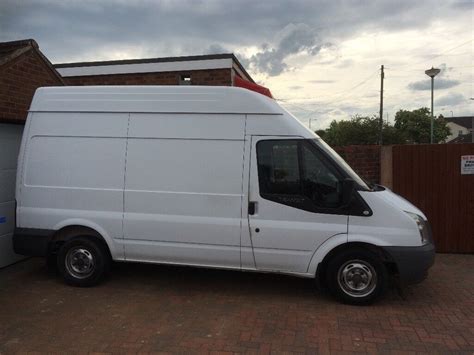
x=423, y=227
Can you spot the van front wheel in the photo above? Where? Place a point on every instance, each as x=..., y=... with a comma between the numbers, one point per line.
x=356, y=277
x=83, y=262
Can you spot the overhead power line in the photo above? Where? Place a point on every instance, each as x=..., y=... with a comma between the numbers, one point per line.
x=437, y=55
x=340, y=93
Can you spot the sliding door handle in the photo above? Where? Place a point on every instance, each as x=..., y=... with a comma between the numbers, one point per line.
x=252, y=207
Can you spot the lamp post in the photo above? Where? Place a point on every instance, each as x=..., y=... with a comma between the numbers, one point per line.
x=432, y=73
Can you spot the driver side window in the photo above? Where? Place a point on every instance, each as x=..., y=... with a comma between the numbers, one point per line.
x=322, y=185
x=294, y=173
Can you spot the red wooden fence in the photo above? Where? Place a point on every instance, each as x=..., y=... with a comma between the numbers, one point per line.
x=430, y=177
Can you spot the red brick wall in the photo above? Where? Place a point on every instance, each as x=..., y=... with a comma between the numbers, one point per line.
x=364, y=159
x=18, y=81
x=218, y=77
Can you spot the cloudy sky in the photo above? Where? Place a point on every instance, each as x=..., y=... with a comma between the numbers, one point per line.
x=321, y=59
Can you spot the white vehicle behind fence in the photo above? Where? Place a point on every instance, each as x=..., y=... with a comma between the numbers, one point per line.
x=216, y=177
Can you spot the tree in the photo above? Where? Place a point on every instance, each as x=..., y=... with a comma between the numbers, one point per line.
x=359, y=130
x=410, y=127
x=415, y=126
x=321, y=133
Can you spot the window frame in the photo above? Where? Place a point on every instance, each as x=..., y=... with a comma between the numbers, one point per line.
x=185, y=79
x=305, y=203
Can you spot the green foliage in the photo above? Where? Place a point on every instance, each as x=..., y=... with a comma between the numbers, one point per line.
x=410, y=127
x=321, y=133
x=359, y=130
x=416, y=126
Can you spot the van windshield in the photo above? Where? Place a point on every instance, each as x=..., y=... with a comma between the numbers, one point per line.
x=341, y=163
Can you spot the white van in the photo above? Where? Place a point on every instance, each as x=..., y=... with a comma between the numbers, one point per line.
x=218, y=177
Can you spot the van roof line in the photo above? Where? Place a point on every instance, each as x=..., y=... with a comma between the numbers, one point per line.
x=153, y=99
x=165, y=112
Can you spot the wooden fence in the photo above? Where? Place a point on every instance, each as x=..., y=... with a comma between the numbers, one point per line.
x=430, y=177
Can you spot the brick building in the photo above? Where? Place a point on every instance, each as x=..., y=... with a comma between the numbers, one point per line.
x=23, y=68
x=216, y=69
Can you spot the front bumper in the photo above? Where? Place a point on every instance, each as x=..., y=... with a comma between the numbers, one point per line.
x=412, y=262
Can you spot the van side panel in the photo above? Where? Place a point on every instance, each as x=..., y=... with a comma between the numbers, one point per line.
x=277, y=125
x=74, y=173
x=183, y=189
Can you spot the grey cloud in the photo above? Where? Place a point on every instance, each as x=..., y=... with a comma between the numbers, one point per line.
x=243, y=60
x=371, y=95
x=216, y=49
x=438, y=84
x=295, y=87
x=450, y=99
x=80, y=29
x=441, y=81
x=293, y=39
x=345, y=63
x=465, y=4
x=321, y=81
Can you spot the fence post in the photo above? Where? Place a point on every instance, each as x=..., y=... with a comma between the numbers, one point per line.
x=386, y=166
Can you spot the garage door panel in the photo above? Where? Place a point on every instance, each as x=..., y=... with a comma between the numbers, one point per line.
x=10, y=140
x=7, y=185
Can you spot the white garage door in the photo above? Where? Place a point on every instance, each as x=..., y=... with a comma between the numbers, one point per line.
x=10, y=138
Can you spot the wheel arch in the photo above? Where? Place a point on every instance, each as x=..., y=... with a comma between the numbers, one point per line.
x=384, y=257
x=331, y=248
x=67, y=231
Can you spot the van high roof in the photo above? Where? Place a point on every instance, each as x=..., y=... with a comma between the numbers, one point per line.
x=153, y=99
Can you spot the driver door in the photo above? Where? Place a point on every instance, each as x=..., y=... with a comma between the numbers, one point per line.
x=295, y=196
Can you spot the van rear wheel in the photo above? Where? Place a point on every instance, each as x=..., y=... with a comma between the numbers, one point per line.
x=83, y=262
x=357, y=277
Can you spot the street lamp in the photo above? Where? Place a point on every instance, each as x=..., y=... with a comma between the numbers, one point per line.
x=432, y=73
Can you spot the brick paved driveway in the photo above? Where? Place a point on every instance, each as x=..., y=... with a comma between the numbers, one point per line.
x=156, y=308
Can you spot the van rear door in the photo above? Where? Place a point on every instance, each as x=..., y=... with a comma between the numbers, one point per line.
x=294, y=199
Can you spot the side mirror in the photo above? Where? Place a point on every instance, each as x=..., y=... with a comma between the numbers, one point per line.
x=348, y=186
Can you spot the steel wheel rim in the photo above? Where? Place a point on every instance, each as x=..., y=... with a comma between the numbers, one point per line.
x=357, y=278
x=80, y=263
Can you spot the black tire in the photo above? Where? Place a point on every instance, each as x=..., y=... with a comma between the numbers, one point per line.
x=357, y=277
x=83, y=262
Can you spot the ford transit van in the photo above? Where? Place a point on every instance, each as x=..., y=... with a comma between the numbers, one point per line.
x=218, y=177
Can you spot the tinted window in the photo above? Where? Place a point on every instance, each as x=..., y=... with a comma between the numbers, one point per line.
x=278, y=167
x=295, y=173
x=341, y=163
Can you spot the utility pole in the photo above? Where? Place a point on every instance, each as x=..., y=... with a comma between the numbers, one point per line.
x=381, y=105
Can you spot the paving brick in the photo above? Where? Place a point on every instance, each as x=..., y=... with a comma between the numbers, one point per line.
x=160, y=309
